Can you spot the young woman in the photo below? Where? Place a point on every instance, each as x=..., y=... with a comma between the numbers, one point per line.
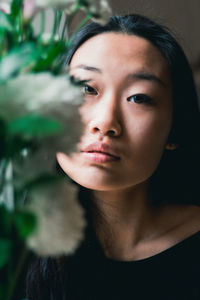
x=137, y=169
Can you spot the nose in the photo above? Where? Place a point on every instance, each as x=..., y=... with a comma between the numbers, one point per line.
x=106, y=119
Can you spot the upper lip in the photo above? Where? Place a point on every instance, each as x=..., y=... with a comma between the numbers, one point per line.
x=102, y=148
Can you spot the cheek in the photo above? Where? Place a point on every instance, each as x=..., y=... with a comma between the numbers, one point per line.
x=86, y=111
x=153, y=133
x=148, y=135
x=146, y=144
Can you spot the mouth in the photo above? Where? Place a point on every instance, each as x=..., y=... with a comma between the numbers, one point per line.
x=99, y=156
x=101, y=153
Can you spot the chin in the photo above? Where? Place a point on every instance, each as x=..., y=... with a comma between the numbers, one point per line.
x=100, y=183
x=97, y=185
x=95, y=181
x=98, y=178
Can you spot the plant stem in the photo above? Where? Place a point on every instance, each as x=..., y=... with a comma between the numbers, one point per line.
x=42, y=24
x=60, y=14
x=54, y=24
x=2, y=173
x=57, y=20
x=1, y=42
x=21, y=33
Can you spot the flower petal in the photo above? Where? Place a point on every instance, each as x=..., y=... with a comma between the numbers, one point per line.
x=61, y=221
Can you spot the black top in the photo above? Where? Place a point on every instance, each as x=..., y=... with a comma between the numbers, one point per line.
x=173, y=274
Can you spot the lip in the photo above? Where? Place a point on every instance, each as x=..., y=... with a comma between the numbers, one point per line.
x=99, y=157
x=100, y=152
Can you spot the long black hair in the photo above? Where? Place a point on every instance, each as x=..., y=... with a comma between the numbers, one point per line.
x=174, y=181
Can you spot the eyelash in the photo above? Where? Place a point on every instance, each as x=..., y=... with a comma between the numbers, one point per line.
x=89, y=93
x=147, y=100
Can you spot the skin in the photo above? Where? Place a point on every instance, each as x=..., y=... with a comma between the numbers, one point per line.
x=128, y=227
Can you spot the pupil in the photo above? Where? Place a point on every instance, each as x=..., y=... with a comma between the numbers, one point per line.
x=88, y=89
x=139, y=98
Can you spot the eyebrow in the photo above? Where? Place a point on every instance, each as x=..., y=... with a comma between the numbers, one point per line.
x=88, y=68
x=148, y=77
x=136, y=75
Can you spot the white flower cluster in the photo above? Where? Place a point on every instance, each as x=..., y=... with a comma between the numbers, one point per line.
x=55, y=3
x=40, y=92
x=61, y=221
x=61, y=218
x=49, y=96
x=5, y=7
x=100, y=9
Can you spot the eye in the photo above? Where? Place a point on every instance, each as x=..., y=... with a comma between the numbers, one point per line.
x=88, y=90
x=140, y=98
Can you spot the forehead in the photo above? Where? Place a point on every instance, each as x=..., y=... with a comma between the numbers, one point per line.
x=121, y=52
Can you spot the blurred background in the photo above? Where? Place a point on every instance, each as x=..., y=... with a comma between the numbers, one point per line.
x=182, y=17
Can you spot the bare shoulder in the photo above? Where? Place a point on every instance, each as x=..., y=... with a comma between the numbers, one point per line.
x=187, y=218
x=194, y=217
x=182, y=221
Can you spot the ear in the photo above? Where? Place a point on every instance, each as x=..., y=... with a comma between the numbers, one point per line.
x=171, y=146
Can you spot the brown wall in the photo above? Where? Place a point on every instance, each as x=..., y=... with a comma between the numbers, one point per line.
x=181, y=16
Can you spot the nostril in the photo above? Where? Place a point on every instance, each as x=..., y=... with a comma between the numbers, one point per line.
x=109, y=132
x=95, y=129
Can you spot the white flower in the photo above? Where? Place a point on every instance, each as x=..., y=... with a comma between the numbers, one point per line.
x=43, y=160
x=29, y=9
x=5, y=7
x=55, y=3
x=7, y=193
x=100, y=10
x=61, y=221
x=50, y=96
x=47, y=38
x=41, y=92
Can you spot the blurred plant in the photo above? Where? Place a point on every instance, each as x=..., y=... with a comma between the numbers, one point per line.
x=38, y=117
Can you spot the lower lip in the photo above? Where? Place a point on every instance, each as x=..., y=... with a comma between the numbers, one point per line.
x=99, y=157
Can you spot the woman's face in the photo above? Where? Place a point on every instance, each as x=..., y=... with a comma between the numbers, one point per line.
x=127, y=112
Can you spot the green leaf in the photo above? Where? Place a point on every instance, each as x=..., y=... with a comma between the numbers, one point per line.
x=5, y=251
x=2, y=291
x=18, y=58
x=25, y=222
x=5, y=22
x=5, y=221
x=2, y=137
x=33, y=126
x=16, y=7
x=49, y=56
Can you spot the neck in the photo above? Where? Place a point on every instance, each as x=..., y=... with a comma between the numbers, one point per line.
x=123, y=219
